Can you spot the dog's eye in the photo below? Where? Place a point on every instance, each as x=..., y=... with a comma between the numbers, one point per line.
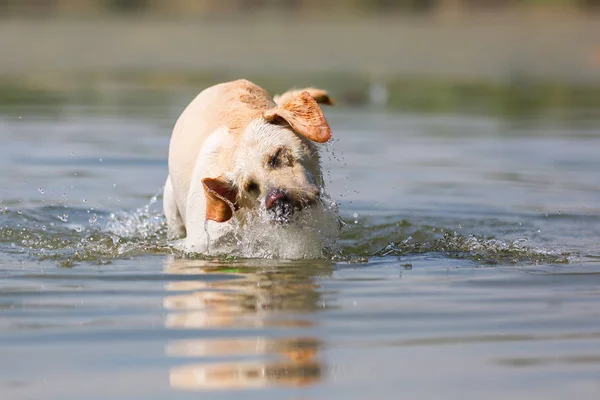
x=275, y=161
x=252, y=187
x=281, y=158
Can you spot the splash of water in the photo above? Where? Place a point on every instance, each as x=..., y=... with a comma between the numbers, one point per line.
x=71, y=235
x=146, y=222
x=253, y=234
x=46, y=234
x=489, y=251
x=309, y=236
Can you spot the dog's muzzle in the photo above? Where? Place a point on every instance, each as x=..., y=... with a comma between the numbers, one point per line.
x=279, y=206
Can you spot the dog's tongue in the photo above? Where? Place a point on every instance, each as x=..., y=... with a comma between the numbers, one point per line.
x=273, y=198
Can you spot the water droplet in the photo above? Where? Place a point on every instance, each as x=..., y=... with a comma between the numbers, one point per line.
x=72, y=153
x=64, y=217
x=78, y=228
x=355, y=215
x=41, y=190
x=100, y=160
x=43, y=227
x=93, y=219
x=74, y=173
x=19, y=212
x=84, y=200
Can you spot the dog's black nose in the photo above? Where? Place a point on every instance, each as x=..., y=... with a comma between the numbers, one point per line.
x=278, y=204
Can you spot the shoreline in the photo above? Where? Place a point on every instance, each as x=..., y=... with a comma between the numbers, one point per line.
x=491, y=49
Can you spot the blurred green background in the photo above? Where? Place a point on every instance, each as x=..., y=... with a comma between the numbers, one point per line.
x=513, y=58
x=204, y=7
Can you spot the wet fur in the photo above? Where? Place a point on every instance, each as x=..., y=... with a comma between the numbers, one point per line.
x=301, y=180
x=222, y=146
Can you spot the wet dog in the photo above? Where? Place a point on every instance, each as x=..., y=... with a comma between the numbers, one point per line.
x=236, y=154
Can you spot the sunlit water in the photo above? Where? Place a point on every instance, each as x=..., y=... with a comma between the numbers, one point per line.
x=468, y=267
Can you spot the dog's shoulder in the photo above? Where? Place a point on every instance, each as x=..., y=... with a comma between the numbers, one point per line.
x=251, y=95
x=239, y=102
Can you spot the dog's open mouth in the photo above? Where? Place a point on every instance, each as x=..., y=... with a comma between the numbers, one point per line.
x=282, y=208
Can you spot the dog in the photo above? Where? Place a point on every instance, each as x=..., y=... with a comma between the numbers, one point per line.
x=237, y=157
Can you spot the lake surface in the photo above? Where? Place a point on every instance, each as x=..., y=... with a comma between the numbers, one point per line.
x=469, y=266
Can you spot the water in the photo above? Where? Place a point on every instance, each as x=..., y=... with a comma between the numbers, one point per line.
x=469, y=267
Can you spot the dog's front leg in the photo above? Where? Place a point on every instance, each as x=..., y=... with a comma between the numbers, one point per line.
x=175, y=226
x=205, y=236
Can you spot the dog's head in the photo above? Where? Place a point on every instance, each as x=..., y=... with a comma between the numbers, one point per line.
x=275, y=165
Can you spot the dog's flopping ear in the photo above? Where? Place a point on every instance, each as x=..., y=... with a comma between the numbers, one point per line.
x=304, y=116
x=220, y=199
x=321, y=96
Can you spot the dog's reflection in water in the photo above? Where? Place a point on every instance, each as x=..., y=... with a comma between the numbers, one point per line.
x=251, y=294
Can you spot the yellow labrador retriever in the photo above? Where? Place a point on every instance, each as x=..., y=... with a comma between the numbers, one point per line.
x=235, y=151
